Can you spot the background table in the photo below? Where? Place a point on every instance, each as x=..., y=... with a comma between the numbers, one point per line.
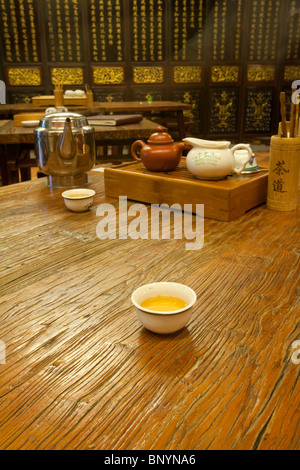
x=82, y=373
x=147, y=107
x=13, y=140
x=143, y=107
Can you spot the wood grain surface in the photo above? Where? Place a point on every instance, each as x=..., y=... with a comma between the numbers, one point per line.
x=142, y=107
x=81, y=372
x=13, y=138
x=11, y=134
x=224, y=199
x=104, y=106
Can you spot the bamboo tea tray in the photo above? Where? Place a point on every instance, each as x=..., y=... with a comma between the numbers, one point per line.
x=224, y=200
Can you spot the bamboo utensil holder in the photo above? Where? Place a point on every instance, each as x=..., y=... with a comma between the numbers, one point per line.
x=283, y=114
x=283, y=176
x=58, y=98
x=89, y=98
x=59, y=93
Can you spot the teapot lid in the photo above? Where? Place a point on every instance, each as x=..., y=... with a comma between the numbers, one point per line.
x=160, y=137
x=56, y=121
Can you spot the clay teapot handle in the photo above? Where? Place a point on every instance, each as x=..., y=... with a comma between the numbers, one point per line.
x=137, y=143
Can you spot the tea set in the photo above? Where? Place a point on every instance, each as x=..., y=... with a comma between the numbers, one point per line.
x=65, y=147
x=206, y=160
x=63, y=137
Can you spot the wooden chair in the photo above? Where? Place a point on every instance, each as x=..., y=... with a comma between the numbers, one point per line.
x=19, y=168
x=171, y=123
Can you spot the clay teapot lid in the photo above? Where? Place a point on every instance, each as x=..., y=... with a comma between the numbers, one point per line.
x=160, y=137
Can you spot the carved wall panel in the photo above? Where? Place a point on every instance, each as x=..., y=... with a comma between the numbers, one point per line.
x=110, y=94
x=291, y=73
x=225, y=74
x=229, y=58
x=148, y=30
x=20, y=97
x=264, y=24
x=19, y=33
x=259, y=111
x=106, y=30
x=142, y=94
x=67, y=75
x=225, y=29
x=107, y=75
x=24, y=76
x=224, y=111
x=147, y=75
x=187, y=29
x=194, y=115
x=261, y=73
x=188, y=74
x=63, y=20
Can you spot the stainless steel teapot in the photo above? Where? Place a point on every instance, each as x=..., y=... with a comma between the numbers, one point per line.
x=65, y=149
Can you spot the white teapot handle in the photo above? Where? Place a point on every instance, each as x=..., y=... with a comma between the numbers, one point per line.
x=245, y=160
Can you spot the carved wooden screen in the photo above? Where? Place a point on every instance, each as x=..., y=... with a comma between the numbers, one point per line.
x=228, y=58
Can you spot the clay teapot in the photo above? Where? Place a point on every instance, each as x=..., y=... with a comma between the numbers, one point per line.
x=160, y=153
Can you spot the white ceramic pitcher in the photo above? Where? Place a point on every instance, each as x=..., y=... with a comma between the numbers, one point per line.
x=214, y=160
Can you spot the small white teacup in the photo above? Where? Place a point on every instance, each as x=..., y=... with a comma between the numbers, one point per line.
x=78, y=199
x=164, y=322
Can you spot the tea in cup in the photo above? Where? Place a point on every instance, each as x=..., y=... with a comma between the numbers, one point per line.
x=164, y=307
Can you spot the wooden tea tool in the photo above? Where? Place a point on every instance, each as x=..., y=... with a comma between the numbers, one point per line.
x=59, y=94
x=296, y=127
x=89, y=96
x=283, y=114
x=293, y=117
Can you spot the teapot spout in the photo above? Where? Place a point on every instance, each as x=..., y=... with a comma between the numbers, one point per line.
x=180, y=146
x=68, y=146
x=208, y=144
x=178, y=149
x=192, y=141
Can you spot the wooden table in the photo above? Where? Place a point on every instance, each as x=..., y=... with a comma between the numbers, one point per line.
x=146, y=107
x=81, y=372
x=143, y=107
x=108, y=135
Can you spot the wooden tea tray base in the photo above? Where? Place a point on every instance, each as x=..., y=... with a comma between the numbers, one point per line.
x=225, y=199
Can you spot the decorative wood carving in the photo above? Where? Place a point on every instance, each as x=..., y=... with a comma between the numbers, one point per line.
x=124, y=49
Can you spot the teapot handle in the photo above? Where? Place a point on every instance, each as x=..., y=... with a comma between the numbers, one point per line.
x=137, y=143
x=247, y=147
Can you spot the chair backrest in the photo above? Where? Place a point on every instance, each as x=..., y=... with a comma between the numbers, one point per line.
x=2, y=92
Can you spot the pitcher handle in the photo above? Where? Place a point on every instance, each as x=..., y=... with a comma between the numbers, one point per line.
x=137, y=143
x=247, y=147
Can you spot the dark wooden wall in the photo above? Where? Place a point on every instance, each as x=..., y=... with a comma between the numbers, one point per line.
x=228, y=58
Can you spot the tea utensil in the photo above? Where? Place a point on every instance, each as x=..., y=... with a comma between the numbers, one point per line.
x=283, y=114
